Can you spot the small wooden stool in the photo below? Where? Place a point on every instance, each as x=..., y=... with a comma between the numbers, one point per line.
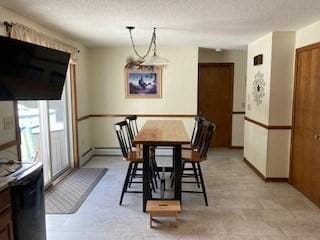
x=163, y=208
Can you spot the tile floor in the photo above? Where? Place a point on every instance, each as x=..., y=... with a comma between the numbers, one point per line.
x=241, y=206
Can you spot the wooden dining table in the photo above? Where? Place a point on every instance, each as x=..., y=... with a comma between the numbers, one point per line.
x=155, y=133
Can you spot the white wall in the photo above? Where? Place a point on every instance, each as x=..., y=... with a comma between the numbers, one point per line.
x=256, y=137
x=263, y=46
x=239, y=58
x=255, y=146
x=82, y=83
x=179, y=89
x=282, y=78
x=269, y=149
x=308, y=35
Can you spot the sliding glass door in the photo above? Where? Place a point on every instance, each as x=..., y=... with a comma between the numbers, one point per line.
x=58, y=131
x=44, y=130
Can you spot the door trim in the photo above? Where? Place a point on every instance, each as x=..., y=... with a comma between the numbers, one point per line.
x=228, y=64
x=74, y=116
x=298, y=51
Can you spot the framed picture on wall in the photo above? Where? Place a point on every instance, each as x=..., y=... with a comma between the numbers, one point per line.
x=143, y=82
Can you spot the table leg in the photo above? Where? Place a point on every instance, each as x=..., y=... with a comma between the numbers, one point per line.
x=146, y=177
x=178, y=172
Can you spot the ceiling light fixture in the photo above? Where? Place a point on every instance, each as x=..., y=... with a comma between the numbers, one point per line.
x=153, y=60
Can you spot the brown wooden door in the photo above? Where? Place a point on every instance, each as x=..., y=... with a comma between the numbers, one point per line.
x=215, y=96
x=305, y=161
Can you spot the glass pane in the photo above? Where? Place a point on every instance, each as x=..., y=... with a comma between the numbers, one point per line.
x=29, y=123
x=58, y=135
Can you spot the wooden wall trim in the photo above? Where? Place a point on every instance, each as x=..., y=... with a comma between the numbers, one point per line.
x=7, y=145
x=256, y=171
x=142, y=115
x=210, y=64
x=83, y=118
x=260, y=175
x=273, y=179
x=236, y=147
x=239, y=112
x=269, y=127
x=139, y=115
x=86, y=152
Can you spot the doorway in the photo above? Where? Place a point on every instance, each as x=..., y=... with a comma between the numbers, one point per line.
x=45, y=134
x=305, y=163
x=215, y=99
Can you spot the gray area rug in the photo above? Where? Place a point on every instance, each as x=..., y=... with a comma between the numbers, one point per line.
x=67, y=196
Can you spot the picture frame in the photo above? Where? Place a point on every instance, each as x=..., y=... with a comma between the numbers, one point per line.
x=143, y=82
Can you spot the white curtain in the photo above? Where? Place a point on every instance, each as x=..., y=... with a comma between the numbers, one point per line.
x=24, y=33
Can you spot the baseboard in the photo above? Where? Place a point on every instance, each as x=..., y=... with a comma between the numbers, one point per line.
x=110, y=151
x=256, y=171
x=236, y=147
x=104, y=151
x=87, y=156
x=276, y=179
x=259, y=174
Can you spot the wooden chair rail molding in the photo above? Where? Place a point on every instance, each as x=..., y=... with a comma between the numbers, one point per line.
x=8, y=145
x=270, y=127
x=139, y=115
x=143, y=115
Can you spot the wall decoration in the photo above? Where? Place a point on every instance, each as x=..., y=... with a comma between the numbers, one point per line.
x=258, y=60
x=258, y=91
x=143, y=81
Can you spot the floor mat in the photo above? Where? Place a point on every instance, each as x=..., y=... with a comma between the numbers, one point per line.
x=68, y=195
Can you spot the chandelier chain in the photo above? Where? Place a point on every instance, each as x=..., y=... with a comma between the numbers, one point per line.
x=153, y=41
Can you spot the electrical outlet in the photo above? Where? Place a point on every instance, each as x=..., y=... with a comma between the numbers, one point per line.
x=243, y=105
x=249, y=106
x=8, y=123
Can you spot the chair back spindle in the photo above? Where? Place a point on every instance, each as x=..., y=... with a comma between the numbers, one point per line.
x=132, y=125
x=124, y=137
x=206, y=132
x=196, y=130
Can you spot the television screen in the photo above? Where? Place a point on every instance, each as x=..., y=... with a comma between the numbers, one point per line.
x=31, y=72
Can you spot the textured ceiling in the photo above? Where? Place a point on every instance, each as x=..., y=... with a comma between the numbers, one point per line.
x=205, y=23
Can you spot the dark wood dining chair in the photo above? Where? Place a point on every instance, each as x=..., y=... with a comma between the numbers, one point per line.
x=133, y=131
x=130, y=154
x=133, y=125
x=193, y=143
x=197, y=155
x=195, y=133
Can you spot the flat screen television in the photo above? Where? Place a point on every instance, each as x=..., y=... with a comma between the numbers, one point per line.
x=31, y=72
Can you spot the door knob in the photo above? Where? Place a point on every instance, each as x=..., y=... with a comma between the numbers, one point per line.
x=316, y=136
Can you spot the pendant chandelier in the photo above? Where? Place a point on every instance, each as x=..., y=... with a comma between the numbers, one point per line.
x=154, y=60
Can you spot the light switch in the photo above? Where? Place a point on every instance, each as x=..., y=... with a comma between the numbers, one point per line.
x=8, y=123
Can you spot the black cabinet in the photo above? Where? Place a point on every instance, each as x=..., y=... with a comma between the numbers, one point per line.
x=5, y=216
